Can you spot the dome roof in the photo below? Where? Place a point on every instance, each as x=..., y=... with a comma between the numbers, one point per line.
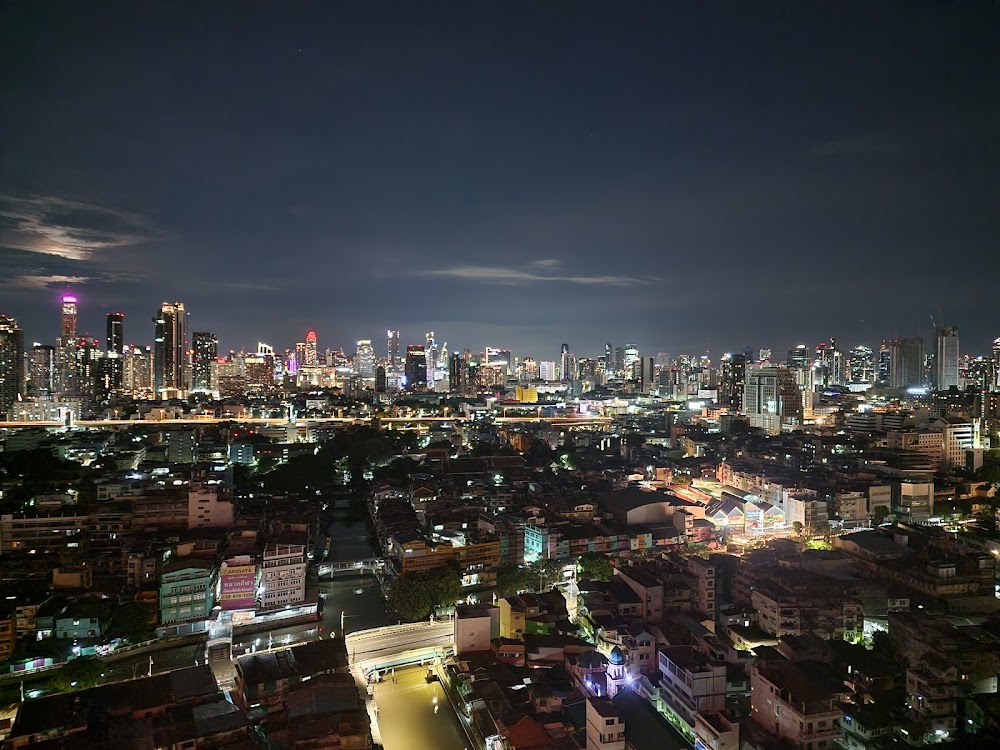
x=616, y=656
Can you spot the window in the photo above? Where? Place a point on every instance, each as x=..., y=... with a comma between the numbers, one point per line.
x=609, y=722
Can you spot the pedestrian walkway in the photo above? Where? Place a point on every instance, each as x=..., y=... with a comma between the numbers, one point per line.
x=361, y=681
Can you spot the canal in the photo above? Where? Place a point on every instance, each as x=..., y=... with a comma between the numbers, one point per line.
x=416, y=715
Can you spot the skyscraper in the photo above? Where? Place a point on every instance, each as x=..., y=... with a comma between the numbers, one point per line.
x=364, y=360
x=392, y=350
x=563, y=362
x=862, y=365
x=311, y=355
x=416, y=367
x=946, y=359
x=11, y=363
x=206, y=349
x=630, y=357
x=66, y=346
x=115, y=347
x=169, y=347
x=732, y=381
x=42, y=378
x=772, y=398
x=906, y=363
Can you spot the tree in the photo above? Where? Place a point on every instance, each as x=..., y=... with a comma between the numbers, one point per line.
x=79, y=674
x=879, y=515
x=544, y=574
x=797, y=527
x=512, y=579
x=595, y=566
x=415, y=595
x=133, y=621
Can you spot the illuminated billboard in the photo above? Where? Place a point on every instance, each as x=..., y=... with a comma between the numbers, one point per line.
x=237, y=584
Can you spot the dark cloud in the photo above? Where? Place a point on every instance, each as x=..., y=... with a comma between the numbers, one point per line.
x=684, y=176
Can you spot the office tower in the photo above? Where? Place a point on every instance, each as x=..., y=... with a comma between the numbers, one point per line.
x=996, y=364
x=630, y=357
x=644, y=374
x=563, y=355
x=505, y=358
x=258, y=370
x=205, y=346
x=66, y=346
x=619, y=361
x=906, y=363
x=311, y=355
x=884, y=365
x=457, y=373
x=609, y=359
x=364, y=360
x=416, y=367
x=861, y=365
x=732, y=381
x=137, y=373
x=765, y=355
x=114, y=347
x=798, y=357
x=169, y=347
x=11, y=364
x=772, y=399
x=430, y=352
x=529, y=369
x=89, y=369
x=42, y=378
x=392, y=350
x=946, y=359
x=547, y=371
x=380, y=379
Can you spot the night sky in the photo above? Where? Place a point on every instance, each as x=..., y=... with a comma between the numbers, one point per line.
x=683, y=175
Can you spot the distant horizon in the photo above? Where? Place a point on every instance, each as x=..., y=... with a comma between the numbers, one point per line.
x=379, y=342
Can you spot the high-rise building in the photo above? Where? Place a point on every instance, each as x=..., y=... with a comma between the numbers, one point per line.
x=42, y=378
x=884, y=365
x=906, y=363
x=631, y=356
x=416, y=367
x=205, y=348
x=115, y=347
x=564, y=363
x=946, y=359
x=311, y=353
x=66, y=346
x=170, y=347
x=772, y=398
x=392, y=360
x=732, y=381
x=364, y=360
x=619, y=366
x=799, y=357
x=11, y=363
x=862, y=365
x=547, y=371
x=529, y=369
x=137, y=373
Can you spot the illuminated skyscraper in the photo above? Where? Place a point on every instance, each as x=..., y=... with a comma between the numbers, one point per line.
x=66, y=346
x=311, y=355
x=11, y=363
x=630, y=357
x=364, y=360
x=416, y=367
x=170, y=347
x=392, y=350
x=113, y=365
x=563, y=362
x=946, y=360
x=862, y=365
x=732, y=381
x=42, y=378
x=772, y=398
x=205, y=346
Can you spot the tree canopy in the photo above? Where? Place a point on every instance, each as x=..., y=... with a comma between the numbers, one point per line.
x=595, y=566
x=415, y=595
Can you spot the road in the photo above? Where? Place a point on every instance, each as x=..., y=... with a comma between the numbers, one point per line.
x=375, y=645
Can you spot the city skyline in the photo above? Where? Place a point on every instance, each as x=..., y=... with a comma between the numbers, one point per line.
x=520, y=175
x=125, y=334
